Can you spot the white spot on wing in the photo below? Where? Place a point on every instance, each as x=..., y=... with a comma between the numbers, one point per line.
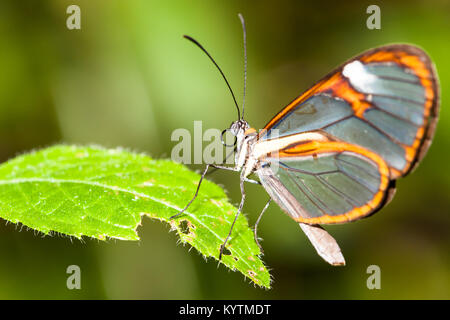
x=359, y=76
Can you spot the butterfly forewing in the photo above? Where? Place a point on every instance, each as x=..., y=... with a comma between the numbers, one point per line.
x=385, y=100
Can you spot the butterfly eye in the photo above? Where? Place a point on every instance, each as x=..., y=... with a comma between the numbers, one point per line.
x=223, y=140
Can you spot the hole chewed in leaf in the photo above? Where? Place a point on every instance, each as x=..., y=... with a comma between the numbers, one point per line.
x=187, y=228
x=251, y=273
x=184, y=227
x=226, y=251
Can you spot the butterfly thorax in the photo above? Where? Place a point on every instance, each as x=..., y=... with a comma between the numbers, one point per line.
x=246, y=138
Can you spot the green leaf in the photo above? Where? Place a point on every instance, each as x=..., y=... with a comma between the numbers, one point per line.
x=100, y=193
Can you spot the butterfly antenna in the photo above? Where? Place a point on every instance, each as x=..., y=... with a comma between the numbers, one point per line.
x=244, y=31
x=220, y=70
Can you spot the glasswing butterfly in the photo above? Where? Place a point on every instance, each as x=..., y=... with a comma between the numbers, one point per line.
x=333, y=154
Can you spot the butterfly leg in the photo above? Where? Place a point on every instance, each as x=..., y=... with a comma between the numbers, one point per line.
x=195, y=195
x=198, y=186
x=241, y=205
x=224, y=161
x=257, y=222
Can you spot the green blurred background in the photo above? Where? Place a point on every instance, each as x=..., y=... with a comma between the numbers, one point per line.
x=127, y=78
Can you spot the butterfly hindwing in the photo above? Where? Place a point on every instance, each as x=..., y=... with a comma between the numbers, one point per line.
x=325, y=182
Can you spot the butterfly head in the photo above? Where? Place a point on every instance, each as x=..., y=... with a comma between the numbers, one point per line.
x=243, y=134
x=238, y=127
